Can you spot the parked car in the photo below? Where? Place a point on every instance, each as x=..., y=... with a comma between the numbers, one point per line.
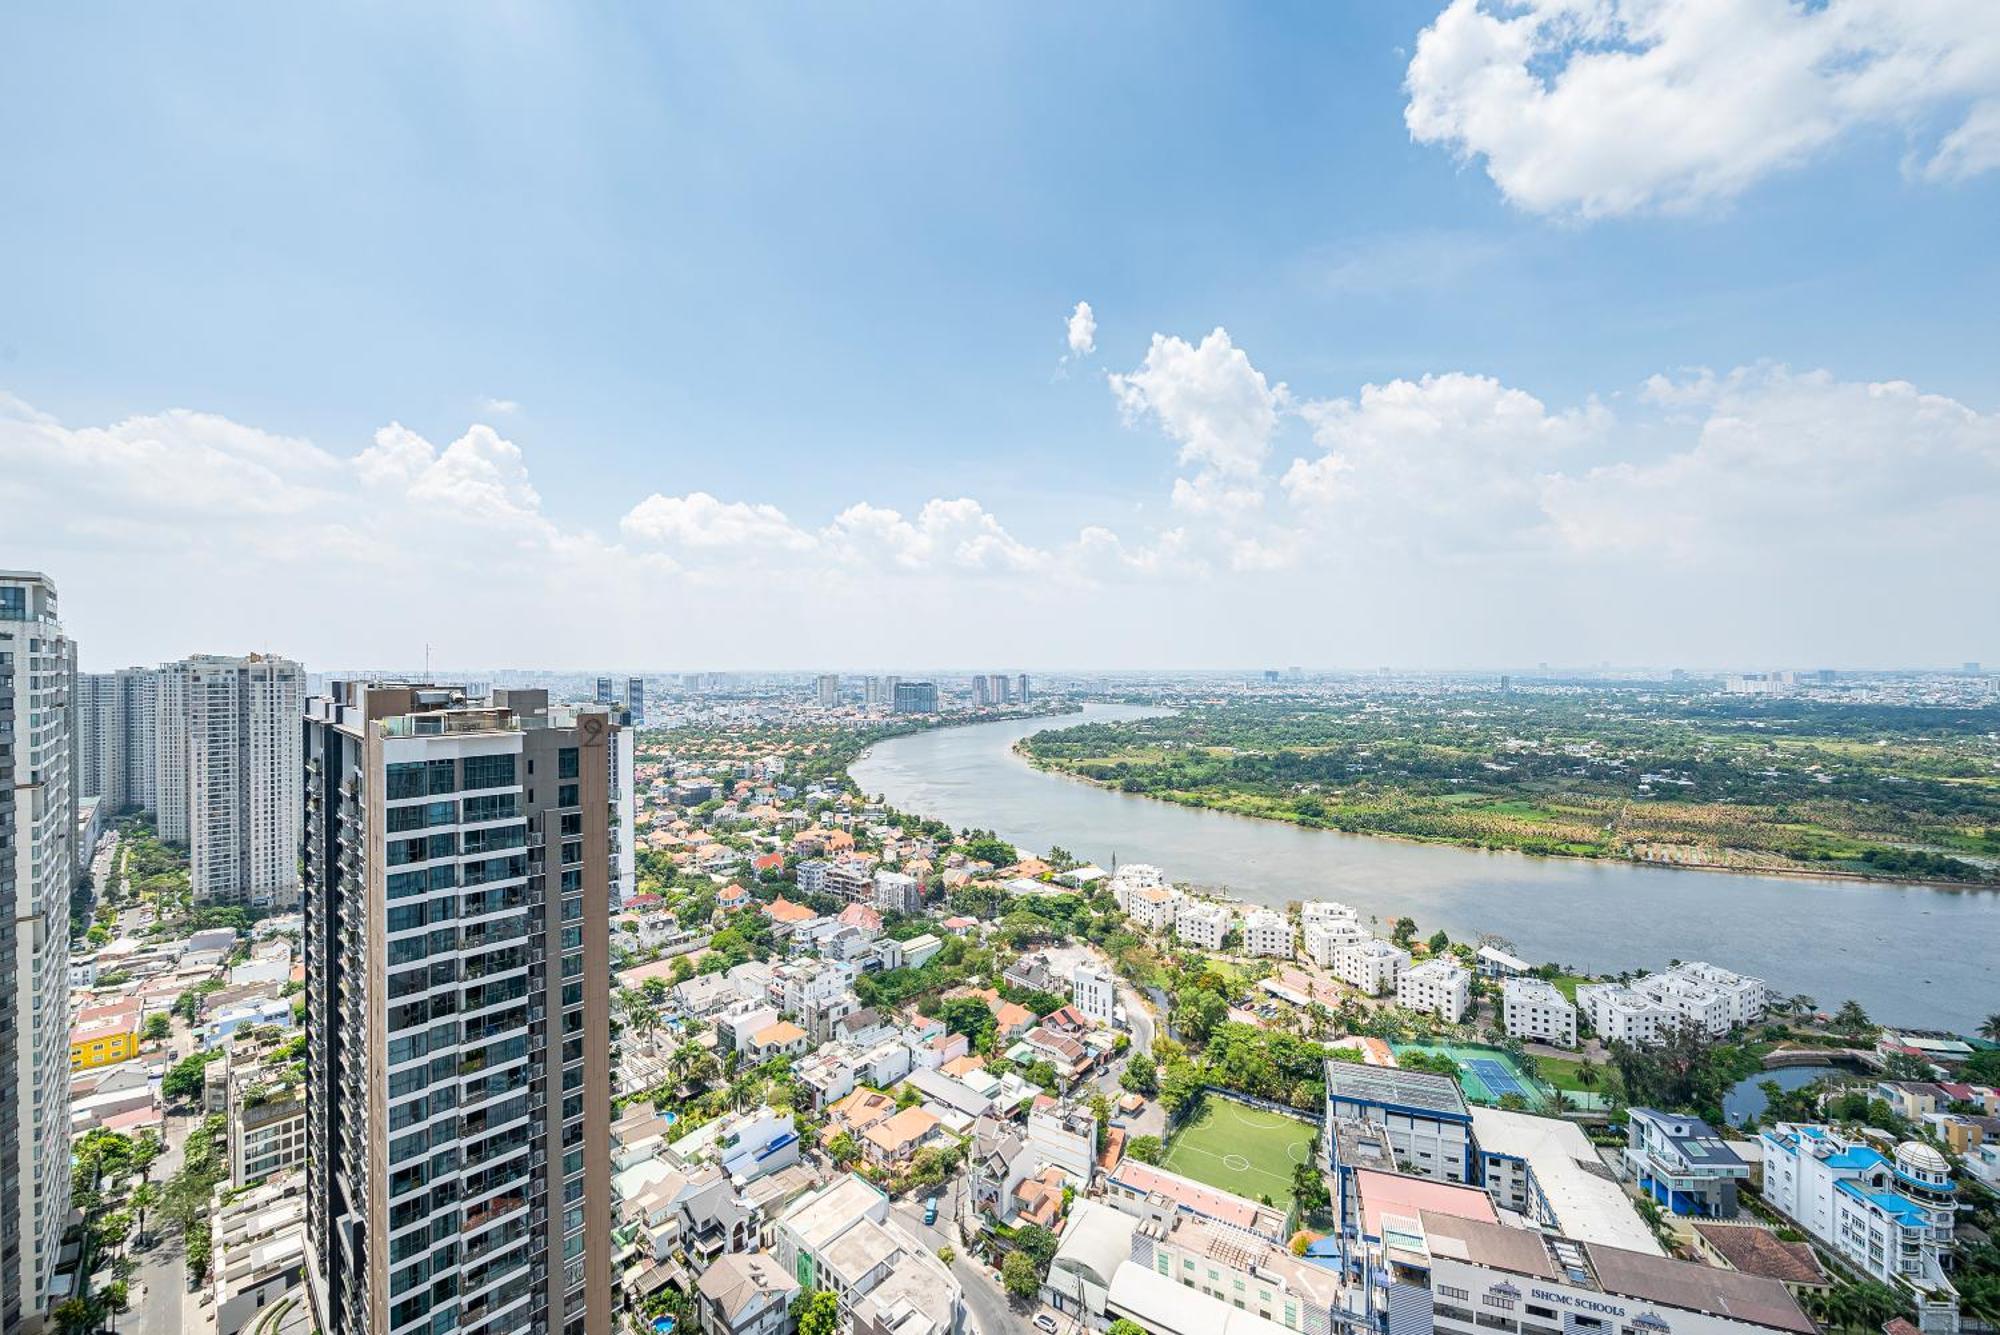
x=1046, y=1323
x=930, y=1212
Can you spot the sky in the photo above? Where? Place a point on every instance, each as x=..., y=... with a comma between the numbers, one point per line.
x=1125, y=335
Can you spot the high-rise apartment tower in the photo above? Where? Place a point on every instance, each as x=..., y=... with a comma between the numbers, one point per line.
x=229, y=774
x=38, y=867
x=456, y=878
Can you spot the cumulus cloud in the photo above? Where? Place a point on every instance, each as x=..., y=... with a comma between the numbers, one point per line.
x=1593, y=108
x=957, y=535
x=1448, y=461
x=700, y=522
x=1082, y=330
x=1217, y=406
x=1784, y=464
x=1453, y=488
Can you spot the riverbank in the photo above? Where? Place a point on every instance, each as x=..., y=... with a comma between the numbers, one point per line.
x=1195, y=801
x=1909, y=954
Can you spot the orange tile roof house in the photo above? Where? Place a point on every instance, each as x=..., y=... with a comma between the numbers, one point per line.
x=785, y=913
x=895, y=1140
x=859, y=1111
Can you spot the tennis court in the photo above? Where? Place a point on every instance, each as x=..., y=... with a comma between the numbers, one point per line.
x=1245, y=1150
x=1486, y=1074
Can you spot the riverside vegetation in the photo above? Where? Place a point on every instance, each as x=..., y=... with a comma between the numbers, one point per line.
x=1783, y=785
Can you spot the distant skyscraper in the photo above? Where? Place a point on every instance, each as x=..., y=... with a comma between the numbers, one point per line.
x=1021, y=689
x=604, y=695
x=996, y=688
x=457, y=871
x=1972, y=667
x=228, y=753
x=881, y=690
x=916, y=697
x=982, y=691
x=39, y=866
x=829, y=690
x=635, y=700
x=117, y=720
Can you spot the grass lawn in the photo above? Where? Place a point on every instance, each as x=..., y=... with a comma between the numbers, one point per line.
x=1240, y=1149
x=1566, y=983
x=1561, y=1073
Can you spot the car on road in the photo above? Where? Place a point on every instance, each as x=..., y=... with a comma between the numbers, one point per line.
x=1044, y=1322
x=930, y=1212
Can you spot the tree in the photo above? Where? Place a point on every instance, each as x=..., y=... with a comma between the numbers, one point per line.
x=947, y=1255
x=143, y=1198
x=1125, y=1326
x=843, y=1149
x=183, y=1079
x=1140, y=1075
x=1309, y=1188
x=818, y=1312
x=74, y=1316
x=158, y=1027
x=1404, y=932
x=1989, y=1027
x=1851, y=1019
x=1017, y=1275
x=1439, y=942
x=1146, y=1149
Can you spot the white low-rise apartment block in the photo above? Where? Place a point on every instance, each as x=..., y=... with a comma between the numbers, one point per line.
x=1323, y=940
x=1535, y=1010
x=1152, y=908
x=1619, y=1014
x=1267, y=933
x=1094, y=992
x=1136, y=876
x=1713, y=998
x=1326, y=911
x=1372, y=965
x=1201, y=923
x=1436, y=987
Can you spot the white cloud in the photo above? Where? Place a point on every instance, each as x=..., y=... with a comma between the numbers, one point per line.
x=1446, y=462
x=946, y=535
x=700, y=522
x=1593, y=108
x=502, y=407
x=1784, y=465
x=1082, y=330
x=1219, y=407
x=1455, y=492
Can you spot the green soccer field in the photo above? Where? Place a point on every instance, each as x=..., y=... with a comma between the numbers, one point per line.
x=1240, y=1149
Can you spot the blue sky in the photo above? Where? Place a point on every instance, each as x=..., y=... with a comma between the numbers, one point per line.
x=798, y=260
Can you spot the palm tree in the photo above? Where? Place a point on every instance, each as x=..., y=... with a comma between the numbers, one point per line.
x=1586, y=1073
x=1990, y=1027
x=144, y=1197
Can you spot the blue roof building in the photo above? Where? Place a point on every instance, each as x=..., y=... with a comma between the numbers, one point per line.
x=1890, y=1217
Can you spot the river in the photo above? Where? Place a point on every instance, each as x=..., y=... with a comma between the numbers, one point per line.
x=1913, y=955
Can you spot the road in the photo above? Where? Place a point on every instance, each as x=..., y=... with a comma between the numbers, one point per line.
x=985, y=1301
x=162, y=1304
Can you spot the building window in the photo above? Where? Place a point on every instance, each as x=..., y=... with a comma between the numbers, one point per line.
x=490, y=771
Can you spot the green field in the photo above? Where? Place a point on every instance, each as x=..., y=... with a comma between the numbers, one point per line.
x=1241, y=1149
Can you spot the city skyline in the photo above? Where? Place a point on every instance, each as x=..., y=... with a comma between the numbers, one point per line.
x=1349, y=334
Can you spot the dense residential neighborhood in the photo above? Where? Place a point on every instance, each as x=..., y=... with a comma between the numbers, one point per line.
x=871, y=1073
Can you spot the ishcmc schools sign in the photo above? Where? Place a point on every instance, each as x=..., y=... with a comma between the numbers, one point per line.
x=1580, y=1304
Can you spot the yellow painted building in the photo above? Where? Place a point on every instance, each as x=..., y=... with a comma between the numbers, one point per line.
x=101, y=1044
